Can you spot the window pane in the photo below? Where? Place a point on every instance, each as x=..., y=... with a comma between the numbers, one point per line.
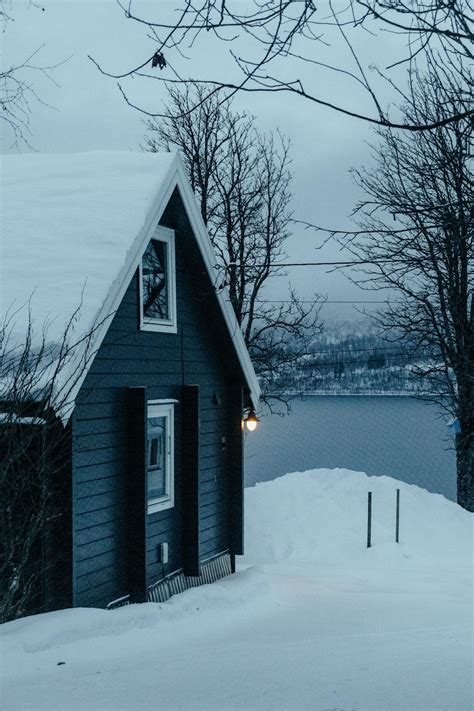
x=155, y=281
x=156, y=484
x=153, y=452
x=156, y=457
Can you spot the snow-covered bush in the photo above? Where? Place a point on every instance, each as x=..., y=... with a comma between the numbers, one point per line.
x=36, y=378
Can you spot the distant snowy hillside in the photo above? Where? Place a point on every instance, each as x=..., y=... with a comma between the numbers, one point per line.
x=354, y=357
x=321, y=622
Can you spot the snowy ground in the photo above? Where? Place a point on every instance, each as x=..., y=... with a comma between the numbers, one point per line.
x=316, y=622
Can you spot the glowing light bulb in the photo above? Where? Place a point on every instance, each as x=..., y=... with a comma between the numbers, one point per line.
x=251, y=421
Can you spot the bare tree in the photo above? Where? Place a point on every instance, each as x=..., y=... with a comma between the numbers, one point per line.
x=242, y=182
x=34, y=450
x=283, y=38
x=17, y=89
x=445, y=23
x=417, y=229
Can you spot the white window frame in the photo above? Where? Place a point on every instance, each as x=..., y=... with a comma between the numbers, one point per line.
x=163, y=408
x=162, y=234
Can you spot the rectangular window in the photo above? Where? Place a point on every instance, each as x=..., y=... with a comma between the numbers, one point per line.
x=158, y=283
x=155, y=281
x=160, y=455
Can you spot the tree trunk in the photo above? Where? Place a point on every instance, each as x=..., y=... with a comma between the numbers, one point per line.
x=465, y=469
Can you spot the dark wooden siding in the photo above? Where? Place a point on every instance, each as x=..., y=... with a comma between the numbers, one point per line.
x=199, y=354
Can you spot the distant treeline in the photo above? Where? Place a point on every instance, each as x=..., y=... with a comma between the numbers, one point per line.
x=355, y=360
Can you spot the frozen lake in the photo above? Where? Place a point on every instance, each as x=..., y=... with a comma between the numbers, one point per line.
x=396, y=436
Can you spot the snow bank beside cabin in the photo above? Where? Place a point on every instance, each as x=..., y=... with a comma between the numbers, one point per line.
x=320, y=516
x=323, y=623
x=39, y=633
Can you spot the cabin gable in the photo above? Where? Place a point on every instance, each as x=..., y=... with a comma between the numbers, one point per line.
x=200, y=353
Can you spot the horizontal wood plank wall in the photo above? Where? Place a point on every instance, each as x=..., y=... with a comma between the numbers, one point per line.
x=198, y=354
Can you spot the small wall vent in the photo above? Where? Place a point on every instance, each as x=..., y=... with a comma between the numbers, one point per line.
x=163, y=553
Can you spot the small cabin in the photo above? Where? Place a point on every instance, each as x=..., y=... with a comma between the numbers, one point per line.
x=141, y=377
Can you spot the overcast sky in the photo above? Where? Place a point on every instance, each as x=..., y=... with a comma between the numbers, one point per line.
x=85, y=111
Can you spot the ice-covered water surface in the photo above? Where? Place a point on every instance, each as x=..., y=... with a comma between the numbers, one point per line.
x=397, y=436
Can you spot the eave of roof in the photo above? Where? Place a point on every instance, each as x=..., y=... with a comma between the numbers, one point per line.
x=75, y=370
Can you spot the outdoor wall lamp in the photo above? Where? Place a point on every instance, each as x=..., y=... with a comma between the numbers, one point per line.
x=251, y=421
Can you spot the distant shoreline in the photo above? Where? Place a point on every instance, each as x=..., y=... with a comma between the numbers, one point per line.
x=368, y=393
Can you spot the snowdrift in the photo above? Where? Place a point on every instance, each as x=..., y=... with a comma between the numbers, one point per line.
x=322, y=623
x=316, y=519
x=39, y=633
x=320, y=516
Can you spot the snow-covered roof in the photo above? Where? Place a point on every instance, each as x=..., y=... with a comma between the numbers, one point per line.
x=74, y=228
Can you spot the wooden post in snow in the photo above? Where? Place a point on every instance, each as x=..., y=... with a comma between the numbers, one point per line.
x=397, y=519
x=369, y=519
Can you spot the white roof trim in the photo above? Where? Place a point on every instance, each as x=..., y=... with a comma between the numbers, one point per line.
x=207, y=252
x=176, y=177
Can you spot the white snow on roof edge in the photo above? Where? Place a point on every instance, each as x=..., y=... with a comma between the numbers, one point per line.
x=80, y=224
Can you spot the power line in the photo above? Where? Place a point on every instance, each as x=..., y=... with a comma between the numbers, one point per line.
x=326, y=301
x=257, y=265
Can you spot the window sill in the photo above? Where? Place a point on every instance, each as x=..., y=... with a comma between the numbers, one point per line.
x=155, y=506
x=157, y=327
